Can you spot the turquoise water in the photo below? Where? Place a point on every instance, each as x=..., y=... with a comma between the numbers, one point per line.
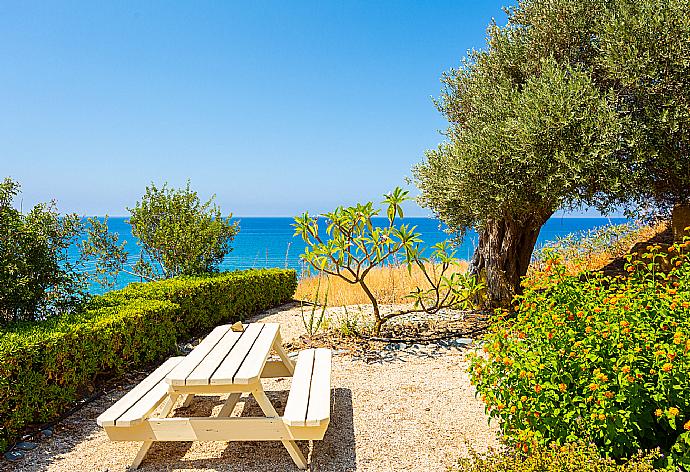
x=269, y=242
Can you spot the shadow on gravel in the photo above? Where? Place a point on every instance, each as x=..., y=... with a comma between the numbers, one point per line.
x=335, y=453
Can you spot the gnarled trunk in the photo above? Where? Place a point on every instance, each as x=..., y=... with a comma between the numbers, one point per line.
x=502, y=257
x=680, y=219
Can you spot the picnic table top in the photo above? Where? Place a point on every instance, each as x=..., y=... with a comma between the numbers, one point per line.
x=226, y=357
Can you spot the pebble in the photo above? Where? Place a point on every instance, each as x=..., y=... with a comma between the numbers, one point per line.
x=26, y=445
x=46, y=433
x=14, y=455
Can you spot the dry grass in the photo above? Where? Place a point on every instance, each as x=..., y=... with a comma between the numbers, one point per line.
x=389, y=284
x=602, y=248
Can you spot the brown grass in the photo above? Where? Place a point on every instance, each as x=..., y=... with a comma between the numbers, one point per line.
x=389, y=284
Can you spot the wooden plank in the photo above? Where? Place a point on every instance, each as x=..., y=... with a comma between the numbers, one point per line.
x=298, y=399
x=229, y=404
x=320, y=392
x=110, y=416
x=280, y=350
x=213, y=429
x=275, y=369
x=146, y=404
x=201, y=375
x=179, y=374
x=228, y=368
x=253, y=364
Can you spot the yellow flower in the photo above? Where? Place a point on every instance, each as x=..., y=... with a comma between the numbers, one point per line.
x=658, y=412
x=562, y=387
x=686, y=426
x=667, y=367
x=602, y=417
x=593, y=386
x=625, y=369
x=673, y=412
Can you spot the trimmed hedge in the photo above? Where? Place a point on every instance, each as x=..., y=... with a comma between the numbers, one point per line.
x=46, y=366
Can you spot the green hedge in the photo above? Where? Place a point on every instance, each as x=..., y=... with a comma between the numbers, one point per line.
x=46, y=366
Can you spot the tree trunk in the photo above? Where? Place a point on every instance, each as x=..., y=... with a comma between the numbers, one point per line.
x=680, y=219
x=502, y=258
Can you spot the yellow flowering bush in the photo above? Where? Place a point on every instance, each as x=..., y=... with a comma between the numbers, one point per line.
x=601, y=358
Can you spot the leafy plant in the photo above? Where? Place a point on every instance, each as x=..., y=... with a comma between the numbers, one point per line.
x=352, y=245
x=573, y=457
x=177, y=234
x=605, y=359
x=37, y=277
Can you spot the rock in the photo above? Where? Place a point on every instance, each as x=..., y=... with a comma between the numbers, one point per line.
x=14, y=455
x=46, y=433
x=26, y=445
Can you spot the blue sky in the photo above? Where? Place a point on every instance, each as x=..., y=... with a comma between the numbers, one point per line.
x=276, y=107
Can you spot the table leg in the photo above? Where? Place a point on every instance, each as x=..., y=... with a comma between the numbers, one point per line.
x=167, y=408
x=188, y=400
x=280, y=350
x=229, y=404
x=271, y=412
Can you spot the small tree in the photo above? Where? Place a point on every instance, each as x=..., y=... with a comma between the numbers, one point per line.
x=177, y=234
x=38, y=279
x=351, y=245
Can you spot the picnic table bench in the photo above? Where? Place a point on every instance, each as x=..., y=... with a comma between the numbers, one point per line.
x=228, y=361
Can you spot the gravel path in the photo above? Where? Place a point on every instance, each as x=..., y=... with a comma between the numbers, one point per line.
x=413, y=412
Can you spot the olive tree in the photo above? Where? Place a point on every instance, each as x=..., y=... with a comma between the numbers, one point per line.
x=515, y=153
x=573, y=102
x=351, y=245
x=644, y=56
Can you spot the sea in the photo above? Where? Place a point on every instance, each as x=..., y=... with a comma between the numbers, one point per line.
x=270, y=242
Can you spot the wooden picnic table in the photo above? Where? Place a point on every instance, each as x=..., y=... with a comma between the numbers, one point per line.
x=231, y=359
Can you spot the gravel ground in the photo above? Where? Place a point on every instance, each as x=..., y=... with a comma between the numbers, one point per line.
x=412, y=411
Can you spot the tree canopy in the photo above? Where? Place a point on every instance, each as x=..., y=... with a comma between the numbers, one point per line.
x=571, y=103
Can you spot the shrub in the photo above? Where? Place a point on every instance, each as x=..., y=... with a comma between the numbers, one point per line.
x=36, y=278
x=176, y=232
x=606, y=359
x=207, y=301
x=46, y=366
x=574, y=457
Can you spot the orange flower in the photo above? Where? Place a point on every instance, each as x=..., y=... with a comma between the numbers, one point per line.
x=658, y=412
x=609, y=395
x=593, y=386
x=686, y=426
x=562, y=387
x=523, y=399
x=673, y=412
x=625, y=369
x=602, y=417
x=630, y=378
x=537, y=388
x=624, y=323
x=667, y=367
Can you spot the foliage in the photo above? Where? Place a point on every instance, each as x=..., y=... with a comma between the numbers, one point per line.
x=37, y=279
x=573, y=457
x=644, y=56
x=177, y=233
x=573, y=102
x=606, y=359
x=352, y=246
x=45, y=366
x=592, y=249
x=518, y=152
